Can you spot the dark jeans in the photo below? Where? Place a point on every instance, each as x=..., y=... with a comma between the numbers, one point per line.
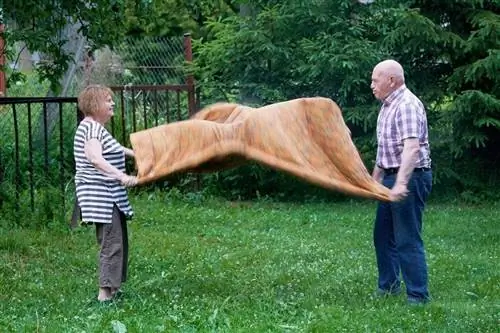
x=113, y=256
x=398, y=238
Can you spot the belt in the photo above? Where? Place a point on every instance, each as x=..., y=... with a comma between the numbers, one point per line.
x=391, y=171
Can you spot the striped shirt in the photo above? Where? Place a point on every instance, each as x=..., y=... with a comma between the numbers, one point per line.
x=402, y=116
x=96, y=192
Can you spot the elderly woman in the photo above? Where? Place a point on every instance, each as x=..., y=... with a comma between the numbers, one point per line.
x=100, y=181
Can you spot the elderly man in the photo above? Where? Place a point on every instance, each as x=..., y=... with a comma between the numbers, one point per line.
x=403, y=164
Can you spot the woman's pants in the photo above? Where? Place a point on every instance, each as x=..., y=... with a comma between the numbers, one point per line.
x=113, y=256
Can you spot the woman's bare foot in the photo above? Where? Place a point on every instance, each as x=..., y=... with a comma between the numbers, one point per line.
x=104, y=294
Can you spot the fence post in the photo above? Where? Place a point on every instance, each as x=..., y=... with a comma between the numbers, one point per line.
x=188, y=56
x=3, y=86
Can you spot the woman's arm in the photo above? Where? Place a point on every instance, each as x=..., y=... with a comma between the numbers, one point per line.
x=128, y=152
x=93, y=152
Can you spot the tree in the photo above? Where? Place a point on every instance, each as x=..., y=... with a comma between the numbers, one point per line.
x=297, y=48
x=291, y=49
x=452, y=49
x=41, y=26
x=449, y=49
x=175, y=17
x=300, y=48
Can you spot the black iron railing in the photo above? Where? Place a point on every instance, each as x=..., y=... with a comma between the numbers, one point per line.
x=36, y=150
x=33, y=148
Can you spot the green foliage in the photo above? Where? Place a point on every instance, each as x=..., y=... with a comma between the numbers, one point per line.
x=253, y=181
x=451, y=52
x=481, y=112
x=449, y=49
x=50, y=205
x=287, y=50
x=44, y=26
x=292, y=49
x=41, y=26
x=216, y=266
x=27, y=85
x=34, y=175
x=263, y=51
x=173, y=17
x=153, y=60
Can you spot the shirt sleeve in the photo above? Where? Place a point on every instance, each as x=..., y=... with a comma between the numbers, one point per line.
x=408, y=121
x=94, y=131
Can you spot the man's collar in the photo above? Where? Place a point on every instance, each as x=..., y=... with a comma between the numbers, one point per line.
x=393, y=95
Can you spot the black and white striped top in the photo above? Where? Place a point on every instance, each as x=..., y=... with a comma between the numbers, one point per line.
x=96, y=192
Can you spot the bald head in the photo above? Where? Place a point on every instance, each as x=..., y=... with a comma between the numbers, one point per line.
x=387, y=76
x=391, y=68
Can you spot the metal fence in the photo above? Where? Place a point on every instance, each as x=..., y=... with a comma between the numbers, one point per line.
x=136, y=61
x=36, y=150
x=146, y=106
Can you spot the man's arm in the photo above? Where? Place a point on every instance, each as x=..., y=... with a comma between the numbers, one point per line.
x=409, y=158
x=377, y=174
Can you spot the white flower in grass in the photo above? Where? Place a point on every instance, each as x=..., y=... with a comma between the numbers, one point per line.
x=118, y=326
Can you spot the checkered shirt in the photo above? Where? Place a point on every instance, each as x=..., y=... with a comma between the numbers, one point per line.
x=402, y=116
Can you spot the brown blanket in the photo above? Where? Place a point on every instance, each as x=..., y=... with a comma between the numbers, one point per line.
x=305, y=137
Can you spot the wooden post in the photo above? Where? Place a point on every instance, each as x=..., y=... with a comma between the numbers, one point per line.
x=188, y=56
x=3, y=85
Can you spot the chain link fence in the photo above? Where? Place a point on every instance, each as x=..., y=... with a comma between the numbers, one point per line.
x=137, y=61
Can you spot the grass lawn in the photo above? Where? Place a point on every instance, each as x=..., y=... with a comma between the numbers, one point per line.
x=216, y=266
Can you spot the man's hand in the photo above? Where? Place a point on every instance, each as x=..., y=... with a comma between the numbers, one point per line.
x=398, y=192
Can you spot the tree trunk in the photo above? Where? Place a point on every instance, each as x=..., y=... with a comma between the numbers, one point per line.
x=75, y=45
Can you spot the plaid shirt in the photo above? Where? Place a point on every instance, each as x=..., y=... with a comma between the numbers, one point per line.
x=402, y=116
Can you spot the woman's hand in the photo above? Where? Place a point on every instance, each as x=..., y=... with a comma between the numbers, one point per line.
x=128, y=181
x=129, y=152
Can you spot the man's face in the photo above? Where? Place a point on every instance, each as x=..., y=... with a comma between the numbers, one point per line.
x=381, y=84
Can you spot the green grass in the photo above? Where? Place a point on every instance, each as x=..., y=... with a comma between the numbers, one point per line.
x=215, y=266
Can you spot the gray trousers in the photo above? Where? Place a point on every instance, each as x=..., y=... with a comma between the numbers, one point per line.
x=113, y=256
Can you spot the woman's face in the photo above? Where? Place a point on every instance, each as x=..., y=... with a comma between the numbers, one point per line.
x=106, y=108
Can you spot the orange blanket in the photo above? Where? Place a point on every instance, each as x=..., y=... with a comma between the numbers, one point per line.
x=305, y=137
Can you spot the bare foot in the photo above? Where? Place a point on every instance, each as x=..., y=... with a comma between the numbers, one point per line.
x=104, y=294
